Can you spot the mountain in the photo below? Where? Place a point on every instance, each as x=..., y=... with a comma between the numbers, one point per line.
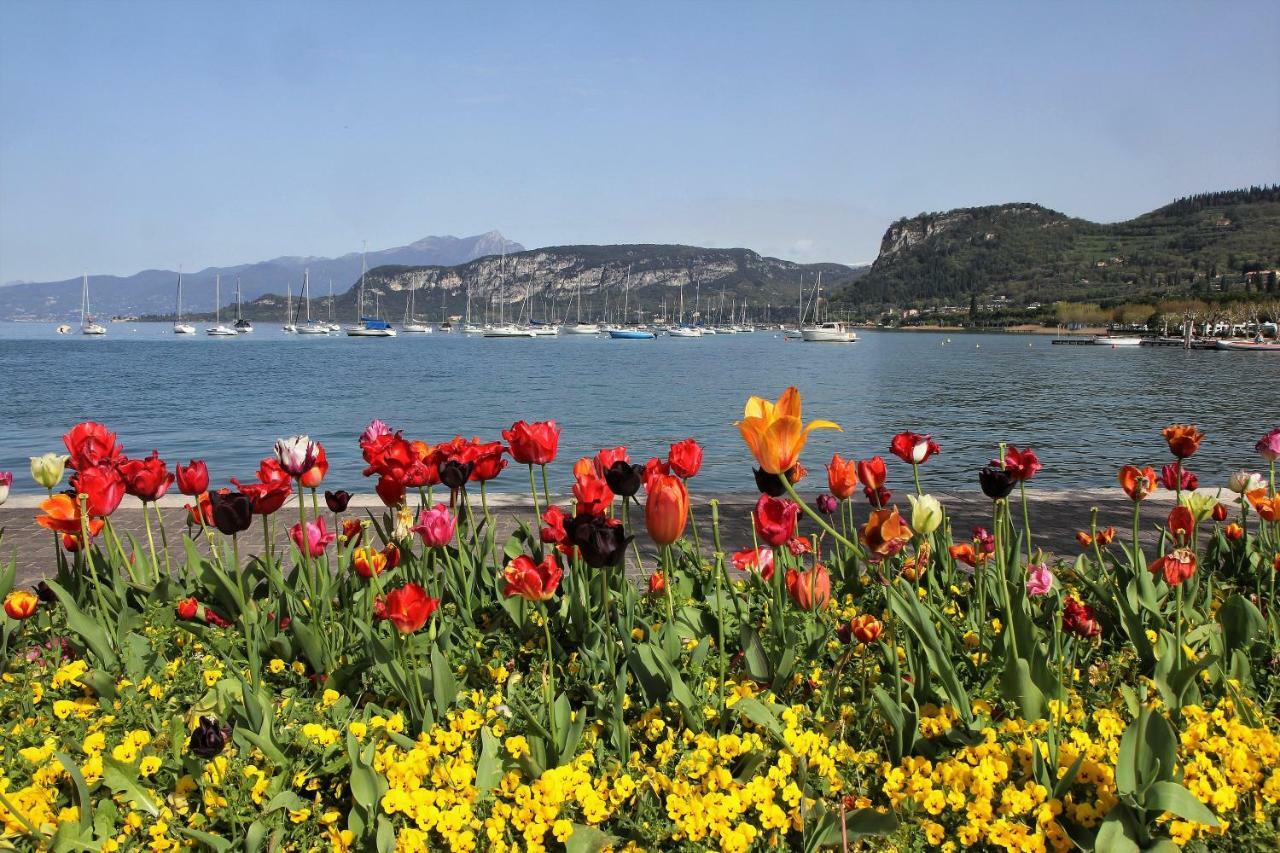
x=641, y=276
x=1199, y=245
x=152, y=291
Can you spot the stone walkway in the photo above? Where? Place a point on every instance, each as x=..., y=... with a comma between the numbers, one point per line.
x=1055, y=518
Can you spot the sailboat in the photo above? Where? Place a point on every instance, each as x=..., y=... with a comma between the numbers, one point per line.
x=795, y=334
x=624, y=332
x=537, y=328
x=445, y=326
x=241, y=325
x=468, y=328
x=410, y=325
x=333, y=327
x=87, y=325
x=368, y=327
x=289, y=325
x=578, y=327
x=825, y=331
x=683, y=330
x=504, y=329
x=309, y=327
x=218, y=330
x=179, y=327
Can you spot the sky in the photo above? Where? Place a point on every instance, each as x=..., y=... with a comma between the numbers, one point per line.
x=136, y=135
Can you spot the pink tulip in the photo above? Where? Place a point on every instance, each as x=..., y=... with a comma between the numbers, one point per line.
x=1039, y=580
x=318, y=537
x=436, y=526
x=1269, y=445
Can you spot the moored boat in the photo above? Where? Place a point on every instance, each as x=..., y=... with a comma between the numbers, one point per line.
x=87, y=324
x=1118, y=340
x=631, y=334
x=1249, y=346
x=829, y=332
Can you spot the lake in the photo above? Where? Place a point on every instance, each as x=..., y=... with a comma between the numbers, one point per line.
x=1086, y=410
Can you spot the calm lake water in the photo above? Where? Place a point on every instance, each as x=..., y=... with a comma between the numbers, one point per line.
x=1086, y=410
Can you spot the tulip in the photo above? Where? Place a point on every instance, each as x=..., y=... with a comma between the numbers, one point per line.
x=102, y=485
x=1176, y=566
x=827, y=504
x=375, y=430
x=232, y=511
x=409, y=608
x=436, y=526
x=368, y=562
x=884, y=534
x=657, y=584
x=866, y=629
x=592, y=494
x=554, y=518
x=965, y=553
x=1233, y=531
x=775, y=519
x=1200, y=505
x=799, y=545
x=146, y=479
x=775, y=433
x=1267, y=508
x=20, y=604
x=1137, y=482
x=810, y=590
x=454, y=473
x=209, y=738
x=337, y=501
x=1181, y=523
x=877, y=497
x=533, y=443
x=352, y=530
x=1079, y=618
x=314, y=476
x=487, y=462
x=600, y=540
x=1242, y=482
x=272, y=489
x=625, y=479
x=318, y=537
x=71, y=543
x=1039, y=580
x=912, y=448
x=47, y=470
x=532, y=581
x=1220, y=512
x=62, y=515
x=6, y=482
x=666, y=509
x=757, y=560
x=996, y=482
x=1268, y=447
x=1174, y=477
x=187, y=608
x=926, y=513
x=91, y=444
x=192, y=478
x=842, y=477
x=872, y=473
x=200, y=514
x=1183, y=439
x=985, y=541
x=685, y=458
x=296, y=454
x=769, y=484
x=605, y=459
x=1021, y=465
x=391, y=490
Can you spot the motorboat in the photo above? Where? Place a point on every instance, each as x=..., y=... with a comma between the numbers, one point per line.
x=684, y=332
x=1254, y=345
x=580, y=329
x=829, y=332
x=631, y=334
x=1118, y=341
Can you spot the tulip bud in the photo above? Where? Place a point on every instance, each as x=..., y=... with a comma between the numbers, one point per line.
x=47, y=470
x=827, y=504
x=1242, y=482
x=1220, y=512
x=996, y=482
x=20, y=604
x=926, y=513
x=337, y=501
x=209, y=738
x=810, y=590
x=192, y=478
x=657, y=583
x=624, y=478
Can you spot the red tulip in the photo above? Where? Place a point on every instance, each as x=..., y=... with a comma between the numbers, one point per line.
x=866, y=628
x=810, y=590
x=533, y=443
x=1078, y=618
x=201, y=512
x=1169, y=478
x=1021, y=465
x=1220, y=512
x=842, y=476
x=657, y=583
x=273, y=488
x=872, y=473
x=1137, y=482
x=104, y=487
x=187, y=608
x=314, y=476
x=1176, y=566
x=775, y=519
x=666, y=509
x=604, y=460
x=912, y=448
x=146, y=479
x=532, y=581
x=685, y=458
x=487, y=461
x=758, y=560
x=193, y=478
x=90, y=444
x=1181, y=523
x=1183, y=439
x=390, y=489
x=409, y=608
x=553, y=517
x=653, y=468
x=593, y=495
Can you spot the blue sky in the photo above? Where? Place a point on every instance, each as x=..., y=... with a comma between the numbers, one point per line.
x=158, y=134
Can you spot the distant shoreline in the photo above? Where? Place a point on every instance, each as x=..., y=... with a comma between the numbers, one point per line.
x=1021, y=329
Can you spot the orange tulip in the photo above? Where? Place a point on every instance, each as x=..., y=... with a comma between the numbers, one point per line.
x=1233, y=531
x=866, y=628
x=913, y=568
x=1267, y=508
x=810, y=590
x=62, y=514
x=666, y=509
x=20, y=604
x=1137, y=482
x=367, y=562
x=1181, y=523
x=885, y=534
x=1183, y=439
x=774, y=431
x=842, y=477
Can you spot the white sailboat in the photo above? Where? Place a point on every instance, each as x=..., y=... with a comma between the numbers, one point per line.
x=505, y=329
x=241, y=325
x=218, y=330
x=368, y=327
x=87, y=325
x=683, y=330
x=410, y=324
x=828, y=331
x=179, y=327
x=333, y=327
x=289, y=325
x=578, y=327
x=309, y=327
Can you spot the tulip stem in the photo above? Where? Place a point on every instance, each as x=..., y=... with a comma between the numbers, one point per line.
x=669, y=580
x=546, y=492
x=151, y=542
x=304, y=542
x=533, y=490
x=550, y=686
x=164, y=539
x=719, y=569
x=822, y=522
x=1026, y=518
x=915, y=473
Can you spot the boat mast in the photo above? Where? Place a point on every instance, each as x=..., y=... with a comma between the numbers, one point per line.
x=84, y=299
x=178, y=318
x=239, y=315
x=217, y=299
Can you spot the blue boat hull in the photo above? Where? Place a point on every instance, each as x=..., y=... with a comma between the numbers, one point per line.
x=631, y=336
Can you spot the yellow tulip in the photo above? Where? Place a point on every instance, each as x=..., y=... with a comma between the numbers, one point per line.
x=47, y=470
x=774, y=431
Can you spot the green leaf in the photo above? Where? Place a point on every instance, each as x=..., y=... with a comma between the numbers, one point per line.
x=1171, y=797
x=123, y=779
x=367, y=787
x=864, y=822
x=1116, y=835
x=588, y=839
x=489, y=765
x=88, y=629
x=1016, y=685
x=284, y=800
x=83, y=801
x=444, y=686
x=213, y=842
x=755, y=711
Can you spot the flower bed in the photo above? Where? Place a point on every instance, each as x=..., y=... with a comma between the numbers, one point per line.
x=854, y=676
